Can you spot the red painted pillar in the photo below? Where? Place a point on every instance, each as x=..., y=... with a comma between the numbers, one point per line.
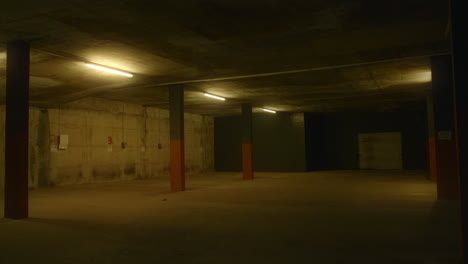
x=459, y=11
x=16, y=130
x=444, y=140
x=177, y=156
x=247, y=144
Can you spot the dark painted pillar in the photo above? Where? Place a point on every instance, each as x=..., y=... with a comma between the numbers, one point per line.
x=431, y=139
x=460, y=70
x=16, y=130
x=444, y=124
x=247, y=146
x=176, y=116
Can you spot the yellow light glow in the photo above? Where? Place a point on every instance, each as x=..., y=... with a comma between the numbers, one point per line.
x=417, y=77
x=97, y=67
x=269, y=111
x=215, y=97
x=424, y=76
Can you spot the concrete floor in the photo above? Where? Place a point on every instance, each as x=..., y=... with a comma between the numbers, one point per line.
x=320, y=217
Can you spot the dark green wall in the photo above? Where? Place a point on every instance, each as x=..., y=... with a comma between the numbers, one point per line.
x=228, y=152
x=296, y=142
x=279, y=142
x=332, y=138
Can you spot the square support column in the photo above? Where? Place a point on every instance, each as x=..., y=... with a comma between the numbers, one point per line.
x=459, y=9
x=247, y=142
x=177, y=158
x=444, y=140
x=431, y=139
x=16, y=130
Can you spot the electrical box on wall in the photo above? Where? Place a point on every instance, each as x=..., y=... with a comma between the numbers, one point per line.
x=444, y=135
x=63, y=142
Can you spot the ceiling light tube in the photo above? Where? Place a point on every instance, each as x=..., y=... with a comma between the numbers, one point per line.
x=102, y=68
x=215, y=97
x=269, y=111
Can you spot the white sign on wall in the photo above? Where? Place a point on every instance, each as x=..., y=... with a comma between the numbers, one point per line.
x=63, y=142
x=444, y=135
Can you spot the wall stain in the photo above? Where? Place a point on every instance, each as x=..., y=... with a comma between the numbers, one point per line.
x=130, y=169
x=99, y=174
x=67, y=177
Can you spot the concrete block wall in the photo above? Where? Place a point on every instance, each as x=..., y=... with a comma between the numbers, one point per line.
x=38, y=156
x=109, y=141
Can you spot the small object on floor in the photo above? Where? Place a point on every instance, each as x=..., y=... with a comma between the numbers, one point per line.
x=164, y=199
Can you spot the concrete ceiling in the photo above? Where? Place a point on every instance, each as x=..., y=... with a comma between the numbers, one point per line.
x=326, y=55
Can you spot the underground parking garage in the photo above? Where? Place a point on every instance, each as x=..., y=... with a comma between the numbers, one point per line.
x=233, y=131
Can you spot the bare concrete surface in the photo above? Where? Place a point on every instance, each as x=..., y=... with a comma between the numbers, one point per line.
x=319, y=217
x=95, y=153
x=290, y=56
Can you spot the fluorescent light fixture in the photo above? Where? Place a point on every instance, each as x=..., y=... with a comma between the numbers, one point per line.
x=215, y=97
x=97, y=67
x=269, y=111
